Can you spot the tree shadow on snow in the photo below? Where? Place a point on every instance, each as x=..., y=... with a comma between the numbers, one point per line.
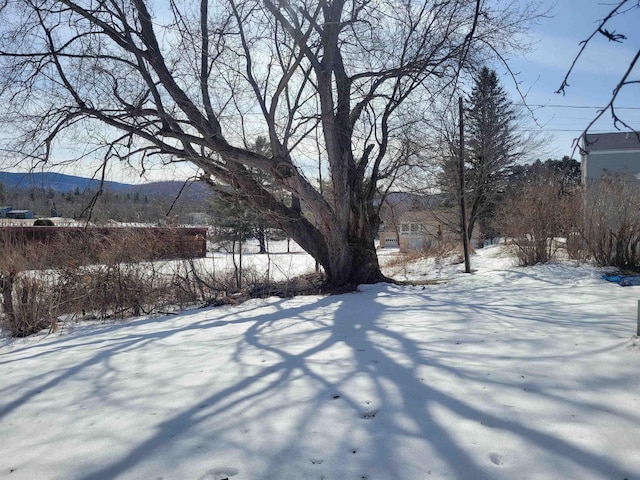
x=389, y=392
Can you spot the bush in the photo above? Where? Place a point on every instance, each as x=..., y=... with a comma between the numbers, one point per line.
x=120, y=283
x=89, y=275
x=534, y=217
x=33, y=309
x=28, y=305
x=610, y=227
x=97, y=276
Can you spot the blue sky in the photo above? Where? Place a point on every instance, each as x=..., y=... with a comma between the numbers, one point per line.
x=541, y=71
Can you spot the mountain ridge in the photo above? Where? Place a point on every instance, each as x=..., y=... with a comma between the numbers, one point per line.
x=62, y=183
x=58, y=182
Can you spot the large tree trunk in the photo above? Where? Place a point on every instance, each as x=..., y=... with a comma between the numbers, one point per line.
x=348, y=256
x=354, y=262
x=347, y=260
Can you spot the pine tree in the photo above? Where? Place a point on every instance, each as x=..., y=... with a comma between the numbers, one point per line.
x=237, y=218
x=492, y=148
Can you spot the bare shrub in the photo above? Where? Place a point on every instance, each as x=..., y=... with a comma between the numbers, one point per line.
x=194, y=284
x=34, y=307
x=120, y=282
x=437, y=250
x=99, y=274
x=533, y=217
x=575, y=244
x=85, y=274
x=311, y=284
x=610, y=227
x=28, y=305
x=403, y=265
x=115, y=290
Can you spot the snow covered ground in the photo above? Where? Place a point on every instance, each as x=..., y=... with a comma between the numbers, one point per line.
x=284, y=261
x=507, y=373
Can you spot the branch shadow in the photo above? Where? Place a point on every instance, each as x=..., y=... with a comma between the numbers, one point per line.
x=389, y=387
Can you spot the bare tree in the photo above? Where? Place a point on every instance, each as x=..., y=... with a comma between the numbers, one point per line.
x=196, y=81
x=603, y=29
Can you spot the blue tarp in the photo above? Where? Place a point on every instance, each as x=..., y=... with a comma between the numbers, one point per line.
x=622, y=280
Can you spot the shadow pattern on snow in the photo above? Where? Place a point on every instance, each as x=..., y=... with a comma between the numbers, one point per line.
x=411, y=381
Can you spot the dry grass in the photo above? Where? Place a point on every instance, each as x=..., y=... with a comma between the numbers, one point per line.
x=97, y=277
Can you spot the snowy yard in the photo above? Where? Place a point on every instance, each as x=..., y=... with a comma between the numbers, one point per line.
x=508, y=373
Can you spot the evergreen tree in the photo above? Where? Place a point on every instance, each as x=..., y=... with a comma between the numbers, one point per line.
x=564, y=173
x=237, y=217
x=492, y=148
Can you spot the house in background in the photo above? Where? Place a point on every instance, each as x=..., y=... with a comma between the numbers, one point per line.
x=416, y=222
x=388, y=237
x=610, y=153
x=425, y=229
x=10, y=212
x=399, y=207
x=422, y=229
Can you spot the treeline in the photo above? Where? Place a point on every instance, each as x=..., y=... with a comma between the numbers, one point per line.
x=123, y=206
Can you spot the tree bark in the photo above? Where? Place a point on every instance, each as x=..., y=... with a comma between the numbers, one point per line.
x=6, y=284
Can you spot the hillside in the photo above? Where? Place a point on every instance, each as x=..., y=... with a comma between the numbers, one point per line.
x=57, y=181
x=62, y=183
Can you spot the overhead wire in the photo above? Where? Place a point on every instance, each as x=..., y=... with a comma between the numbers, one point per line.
x=575, y=106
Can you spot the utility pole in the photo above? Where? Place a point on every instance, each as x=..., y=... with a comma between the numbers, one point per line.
x=463, y=203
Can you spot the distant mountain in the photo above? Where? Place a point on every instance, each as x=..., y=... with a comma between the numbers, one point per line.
x=56, y=181
x=189, y=190
x=68, y=183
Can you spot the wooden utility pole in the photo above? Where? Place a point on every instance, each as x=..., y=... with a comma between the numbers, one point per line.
x=463, y=203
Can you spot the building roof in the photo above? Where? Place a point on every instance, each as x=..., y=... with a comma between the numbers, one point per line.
x=602, y=142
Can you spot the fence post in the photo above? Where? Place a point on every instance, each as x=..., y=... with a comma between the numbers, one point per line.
x=638, y=323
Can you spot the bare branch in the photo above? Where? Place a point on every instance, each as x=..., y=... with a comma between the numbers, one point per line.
x=584, y=43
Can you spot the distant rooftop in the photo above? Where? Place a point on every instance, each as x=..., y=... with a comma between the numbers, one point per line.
x=597, y=142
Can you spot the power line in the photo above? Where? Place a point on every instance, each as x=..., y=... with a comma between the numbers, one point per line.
x=558, y=130
x=584, y=107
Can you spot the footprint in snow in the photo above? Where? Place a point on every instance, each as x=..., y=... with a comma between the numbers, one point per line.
x=222, y=473
x=496, y=458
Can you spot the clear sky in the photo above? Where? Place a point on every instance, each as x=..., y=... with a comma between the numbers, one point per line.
x=541, y=71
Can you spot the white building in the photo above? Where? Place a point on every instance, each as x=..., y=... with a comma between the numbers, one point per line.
x=610, y=153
